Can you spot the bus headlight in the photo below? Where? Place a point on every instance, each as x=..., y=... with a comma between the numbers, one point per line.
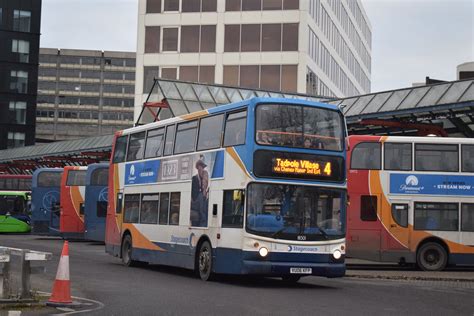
x=263, y=252
x=337, y=254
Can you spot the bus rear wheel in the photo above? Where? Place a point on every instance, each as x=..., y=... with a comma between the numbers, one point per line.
x=204, y=261
x=432, y=257
x=127, y=252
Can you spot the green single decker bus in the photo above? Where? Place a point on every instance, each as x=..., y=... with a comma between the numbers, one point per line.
x=14, y=212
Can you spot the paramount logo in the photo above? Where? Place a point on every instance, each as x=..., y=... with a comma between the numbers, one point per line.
x=411, y=184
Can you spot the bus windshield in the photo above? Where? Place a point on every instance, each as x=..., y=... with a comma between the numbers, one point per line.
x=299, y=126
x=295, y=212
x=12, y=204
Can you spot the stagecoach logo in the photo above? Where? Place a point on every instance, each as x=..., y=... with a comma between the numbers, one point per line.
x=132, y=171
x=302, y=249
x=411, y=185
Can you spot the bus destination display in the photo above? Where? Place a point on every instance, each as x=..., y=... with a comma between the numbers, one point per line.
x=301, y=166
x=276, y=164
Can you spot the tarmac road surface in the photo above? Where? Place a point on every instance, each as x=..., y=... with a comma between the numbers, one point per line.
x=156, y=290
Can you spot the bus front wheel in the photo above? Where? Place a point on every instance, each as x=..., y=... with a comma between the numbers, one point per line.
x=204, y=261
x=432, y=257
x=127, y=252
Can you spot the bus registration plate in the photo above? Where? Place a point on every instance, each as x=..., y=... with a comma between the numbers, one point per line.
x=301, y=270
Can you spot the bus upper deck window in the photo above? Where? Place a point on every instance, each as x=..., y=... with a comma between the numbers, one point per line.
x=366, y=156
x=120, y=149
x=235, y=127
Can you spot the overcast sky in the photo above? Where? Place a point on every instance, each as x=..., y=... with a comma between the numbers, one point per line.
x=411, y=39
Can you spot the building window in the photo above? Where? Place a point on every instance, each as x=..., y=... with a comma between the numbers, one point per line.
x=190, y=38
x=171, y=5
x=22, y=48
x=232, y=38
x=17, y=112
x=206, y=74
x=270, y=77
x=250, y=38
x=251, y=5
x=291, y=4
x=152, y=39
x=15, y=139
x=153, y=6
x=272, y=4
x=271, y=37
x=208, y=38
x=189, y=73
x=249, y=76
x=169, y=73
x=149, y=73
x=170, y=39
x=261, y=37
x=290, y=37
x=21, y=20
x=289, y=78
x=231, y=75
x=191, y=6
x=232, y=5
x=19, y=81
x=209, y=6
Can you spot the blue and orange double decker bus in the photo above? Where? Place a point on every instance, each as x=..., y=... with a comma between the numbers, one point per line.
x=255, y=187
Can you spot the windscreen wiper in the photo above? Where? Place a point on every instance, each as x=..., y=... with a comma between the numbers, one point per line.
x=323, y=232
x=278, y=232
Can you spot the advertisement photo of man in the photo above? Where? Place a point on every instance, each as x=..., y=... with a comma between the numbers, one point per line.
x=200, y=195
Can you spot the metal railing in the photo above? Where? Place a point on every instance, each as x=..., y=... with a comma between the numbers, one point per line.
x=22, y=289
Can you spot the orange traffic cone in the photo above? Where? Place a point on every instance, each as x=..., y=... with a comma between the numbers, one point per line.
x=62, y=286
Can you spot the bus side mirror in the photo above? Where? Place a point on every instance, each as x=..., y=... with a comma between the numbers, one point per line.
x=214, y=209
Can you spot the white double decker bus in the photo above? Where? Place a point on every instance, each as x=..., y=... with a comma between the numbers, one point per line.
x=255, y=187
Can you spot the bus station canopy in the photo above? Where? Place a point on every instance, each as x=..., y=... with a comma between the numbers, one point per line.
x=447, y=106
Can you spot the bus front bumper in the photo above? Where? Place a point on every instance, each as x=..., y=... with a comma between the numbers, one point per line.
x=236, y=261
x=269, y=268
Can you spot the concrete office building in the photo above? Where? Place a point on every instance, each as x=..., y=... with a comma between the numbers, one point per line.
x=19, y=47
x=319, y=47
x=84, y=93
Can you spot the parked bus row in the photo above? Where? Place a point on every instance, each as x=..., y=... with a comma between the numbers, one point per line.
x=260, y=187
x=70, y=202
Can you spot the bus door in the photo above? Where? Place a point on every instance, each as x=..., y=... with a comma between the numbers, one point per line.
x=398, y=236
x=364, y=233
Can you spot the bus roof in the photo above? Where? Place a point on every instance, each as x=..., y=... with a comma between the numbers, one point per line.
x=226, y=108
x=416, y=139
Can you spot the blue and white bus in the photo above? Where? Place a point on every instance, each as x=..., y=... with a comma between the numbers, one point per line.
x=95, y=201
x=45, y=210
x=255, y=187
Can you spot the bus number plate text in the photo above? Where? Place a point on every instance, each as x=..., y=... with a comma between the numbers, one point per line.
x=301, y=270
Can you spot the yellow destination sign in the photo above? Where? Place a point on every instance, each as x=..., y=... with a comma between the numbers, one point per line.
x=301, y=166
